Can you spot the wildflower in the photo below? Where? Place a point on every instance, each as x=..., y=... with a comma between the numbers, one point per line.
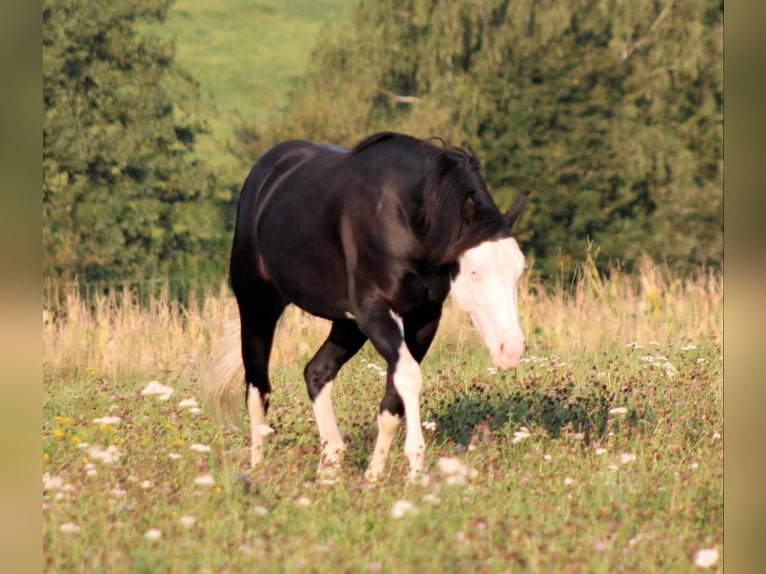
x=450, y=466
x=618, y=411
x=431, y=498
x=599, y=451
x=109, y=455
x=196, y=447
x=689, y=347
x=69, y=527
x=64, y=420
x=52, y=482
x=76, y=440
x=402, y=508
x=429, y=425
x=157, y=388
x=147, y=484
x=520, y=434
x=118, y=492
x=627, y=457
x=706, y=558
x=187, y=521
x=205, y=480
x=303, y=501
x=109, y=421
x=188, y=403
x=58, y=433
x=568, y=481
x=153, y=534
x=174, y=455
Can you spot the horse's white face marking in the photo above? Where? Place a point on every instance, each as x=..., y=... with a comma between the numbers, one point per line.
x=486, y=286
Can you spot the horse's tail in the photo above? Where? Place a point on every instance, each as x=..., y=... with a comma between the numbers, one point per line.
x=224, y=386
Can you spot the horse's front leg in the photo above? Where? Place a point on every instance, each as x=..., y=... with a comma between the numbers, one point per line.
x=404, y=383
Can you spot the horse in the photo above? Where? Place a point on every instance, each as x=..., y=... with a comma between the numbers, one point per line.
x=373, y=239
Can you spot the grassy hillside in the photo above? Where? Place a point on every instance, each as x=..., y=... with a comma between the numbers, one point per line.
x=245, y=53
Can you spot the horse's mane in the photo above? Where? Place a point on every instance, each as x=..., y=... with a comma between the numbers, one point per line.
x=453, y=173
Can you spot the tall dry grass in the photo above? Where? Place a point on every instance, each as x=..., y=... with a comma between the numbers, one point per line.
x=113, y=335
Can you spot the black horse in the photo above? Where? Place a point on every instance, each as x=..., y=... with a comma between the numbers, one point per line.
x=372, y=239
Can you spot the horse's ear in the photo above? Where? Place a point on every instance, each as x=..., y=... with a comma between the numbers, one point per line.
x=469, y=209
x=515, y=210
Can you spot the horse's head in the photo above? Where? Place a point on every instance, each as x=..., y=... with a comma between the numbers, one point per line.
x=485, y=284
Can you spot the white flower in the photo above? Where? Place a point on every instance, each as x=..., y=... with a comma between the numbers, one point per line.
x=520, y=435
x=157, y=388
x=188, y=403
x=706, y=558
x=568, y=481
x=599, y=451
x=52, y=482
x=431, y=498
x=402, y=508
x=197, y=447
x=627, y=457
x=174, y=455
x=153, y=534
x=303, y=501
x=187, y=521
x=205, y=480
x=147, y=484
x=618, y=411
x=108, y=420
x=689, y=347
x=70, y=527
x=195, y=410
x=450, y=466
x=108, y=455
x=118, y=492
x=429, y=425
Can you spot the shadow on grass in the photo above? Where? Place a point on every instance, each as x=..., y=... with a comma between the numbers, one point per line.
x=553, y=406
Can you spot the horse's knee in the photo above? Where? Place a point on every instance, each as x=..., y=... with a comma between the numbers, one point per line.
x=317, y=374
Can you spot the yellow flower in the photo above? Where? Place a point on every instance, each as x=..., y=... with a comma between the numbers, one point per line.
x=108, y=428
x=180, y=442
x=64, y=420
x=46, y=456
x=76, y=439
x=58, y=433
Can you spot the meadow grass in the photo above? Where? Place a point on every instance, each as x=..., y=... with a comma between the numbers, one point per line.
x=245, y=56
x=603, y=452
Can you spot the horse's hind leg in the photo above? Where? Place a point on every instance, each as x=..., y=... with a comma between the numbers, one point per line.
x=259, y=308
x=344, y=340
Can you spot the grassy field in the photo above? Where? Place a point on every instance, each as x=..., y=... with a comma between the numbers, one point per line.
x=601, y=453
x=245, y=55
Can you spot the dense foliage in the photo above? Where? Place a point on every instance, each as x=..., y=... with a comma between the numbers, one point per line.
x=123, y=196
x=611, y=111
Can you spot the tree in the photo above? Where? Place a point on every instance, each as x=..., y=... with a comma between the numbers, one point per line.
x=123, y=197
x=611, y=111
